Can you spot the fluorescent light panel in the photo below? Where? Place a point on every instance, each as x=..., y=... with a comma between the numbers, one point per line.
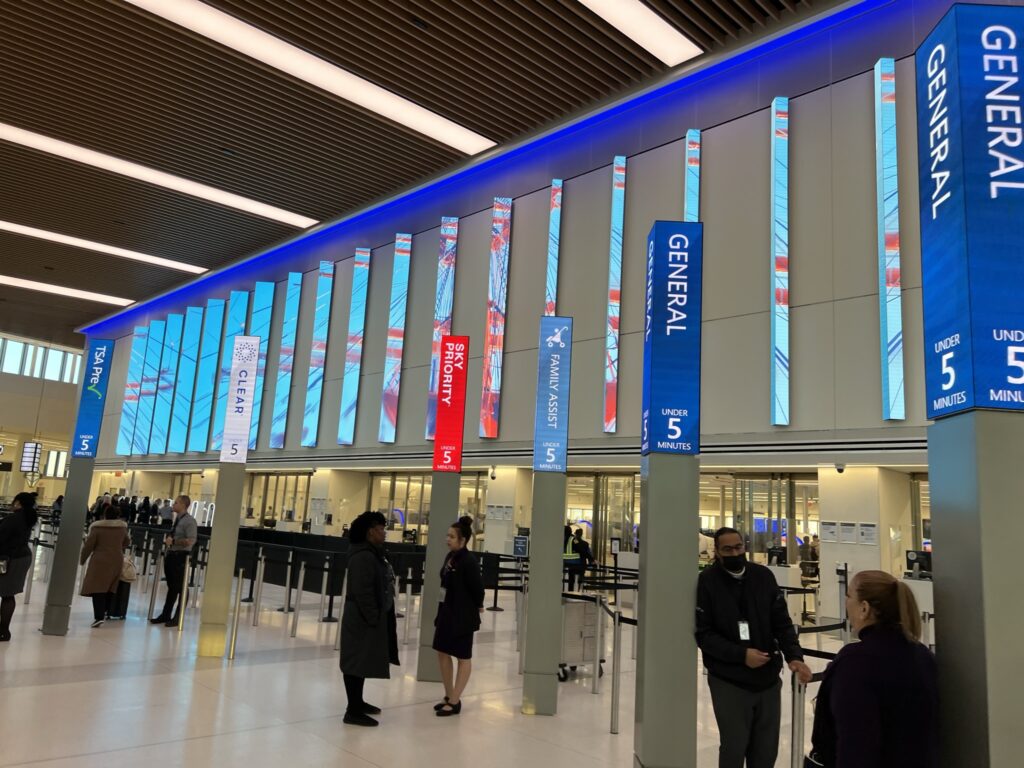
x=89, y=245
x=60, y=290
x=257, y=44
x=150, y=175
x=646, y=28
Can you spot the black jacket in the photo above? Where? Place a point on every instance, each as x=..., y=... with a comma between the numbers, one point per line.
x=464, y=592
x=15, y=532
x=722, y=602
x=369, y=639
x=878, y=705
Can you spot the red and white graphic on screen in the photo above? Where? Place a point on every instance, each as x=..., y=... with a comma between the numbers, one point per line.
x=451, y=403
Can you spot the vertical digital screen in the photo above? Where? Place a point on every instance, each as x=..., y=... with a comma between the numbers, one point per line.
x=234, y=325
x=147, y=390
x=611, y=343
x=444, y=300
x=259, y=325
x=354, y=347
x=396, y=340
x=494, y=332
x=132, y=385
x=206, y=376
x=286, y=359
x=96, y=363
x=183, y=390
x=166, y=377
x=554, y=233
x=780, y=262
x=890, y=305
x=691, y=198
x=318, y=354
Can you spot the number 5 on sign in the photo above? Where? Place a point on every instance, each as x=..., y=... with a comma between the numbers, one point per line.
x=1015, y=359
x=948, y=371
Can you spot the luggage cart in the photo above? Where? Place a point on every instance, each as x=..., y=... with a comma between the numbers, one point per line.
x=579, y=639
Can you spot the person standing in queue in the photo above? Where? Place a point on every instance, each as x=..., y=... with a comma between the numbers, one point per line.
x=458, y=615
x=179, y=543
x=15, y=556
x=369, y=630
x=744, y=631
x=878, y=706
x=572, y=563
x=104, y=549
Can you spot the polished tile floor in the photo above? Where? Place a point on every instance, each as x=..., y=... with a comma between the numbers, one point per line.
x=129, y=694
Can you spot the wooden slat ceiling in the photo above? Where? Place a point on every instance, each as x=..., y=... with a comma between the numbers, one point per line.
x=110, y=77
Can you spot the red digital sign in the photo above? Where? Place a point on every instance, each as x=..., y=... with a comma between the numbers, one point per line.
x=451, y=403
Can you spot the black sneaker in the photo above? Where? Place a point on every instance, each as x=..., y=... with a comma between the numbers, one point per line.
x=369, y=709
x=359, y=719
x=97, y=623
x=158, y=620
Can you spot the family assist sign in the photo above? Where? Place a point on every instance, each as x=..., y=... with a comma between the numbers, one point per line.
x=551, y=426
x=671, y=394
x=970, y=124
x=451, y=403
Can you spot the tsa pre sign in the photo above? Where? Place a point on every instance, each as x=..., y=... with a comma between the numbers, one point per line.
x=671, y=395
x=551, y=426
x=451, y=403
x=94, y=394
x=241, y=389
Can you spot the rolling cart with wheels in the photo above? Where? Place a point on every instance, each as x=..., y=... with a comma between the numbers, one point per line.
x=579, y=639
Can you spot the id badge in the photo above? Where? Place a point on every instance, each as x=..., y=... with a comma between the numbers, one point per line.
x=444, y=593
x=744, y=630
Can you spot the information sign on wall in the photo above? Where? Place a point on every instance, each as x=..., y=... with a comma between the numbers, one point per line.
x=971, y=172
x=451, y=404
x=240, y=394
x=671, y=392
x=551, y=426
x=94, y=394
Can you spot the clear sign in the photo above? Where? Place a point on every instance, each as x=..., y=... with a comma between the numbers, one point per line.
x=94, y=395
x=671, y=394
x=240, y=393
x=451, y=404
x=551, y=424
x=971, y=172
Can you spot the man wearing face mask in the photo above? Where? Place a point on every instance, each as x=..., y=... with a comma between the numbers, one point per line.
x=744, y=633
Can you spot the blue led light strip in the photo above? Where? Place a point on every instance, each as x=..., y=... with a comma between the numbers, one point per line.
x=133, y=383
x=890, y=306
x=780, y=261
x=206, y=376
x=234, y=325
x=259, y=325
x=318, y=354
x=185, y=386
x=396, y=340
x=166, y=377
x=286, y=359
x=147, y=390
x=691, y=200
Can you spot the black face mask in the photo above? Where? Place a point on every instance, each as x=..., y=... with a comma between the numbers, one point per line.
x=734, y=563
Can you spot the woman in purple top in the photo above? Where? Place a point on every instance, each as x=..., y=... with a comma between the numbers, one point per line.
x=878, y=704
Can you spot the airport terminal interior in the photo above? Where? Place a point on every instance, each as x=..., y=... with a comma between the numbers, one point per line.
x=633, y=306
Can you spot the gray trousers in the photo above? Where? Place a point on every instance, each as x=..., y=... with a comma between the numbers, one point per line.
x=748, y=724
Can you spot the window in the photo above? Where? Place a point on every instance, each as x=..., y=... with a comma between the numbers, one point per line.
x=54, y=365
x=56, y=464
x=70, y=368
x=13, y=353
x=37, y=366
x=27, y=359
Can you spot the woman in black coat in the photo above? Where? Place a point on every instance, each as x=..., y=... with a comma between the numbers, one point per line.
x=15, y=532
x=369, y=635
x=458, y=615
x=878, y=704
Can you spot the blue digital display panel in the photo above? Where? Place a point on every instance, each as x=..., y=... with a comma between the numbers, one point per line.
x=671, y=390
x=132, y=385
x=691, y=199
x=971, y=164
x=318, y=354
x=166, y=377
x=185, y=386
x=780, y=262
x=94, y=393
x=354, y=347
x=259, y=325
x=147, y=390
x=206, y=376
x=234, y=325
x=554, y=366
x=286, y=359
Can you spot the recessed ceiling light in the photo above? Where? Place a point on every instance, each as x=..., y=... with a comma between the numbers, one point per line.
x=645, y=27
x=60, y=290
x=113, y=250
x=150, y=175
x=257, y=44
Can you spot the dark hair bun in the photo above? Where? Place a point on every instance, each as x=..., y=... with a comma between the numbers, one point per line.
x=464, y=525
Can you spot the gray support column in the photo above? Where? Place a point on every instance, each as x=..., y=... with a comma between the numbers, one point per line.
x=220, y=569
x=544, y=606
x=977, y=529
x=63, y=577
x=444, y=510
x=665, y=735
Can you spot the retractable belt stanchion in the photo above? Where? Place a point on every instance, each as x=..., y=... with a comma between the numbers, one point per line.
x=288, y=584
x=842, y=571
x=238, y=610
x=159, y=561
x=797, y=715
x=298, y=598
x=183, y=597
x=598, y=646
x=323, y=588
x=261, y=568
x=408, y=607
x=616, y=667
x=31, y=572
